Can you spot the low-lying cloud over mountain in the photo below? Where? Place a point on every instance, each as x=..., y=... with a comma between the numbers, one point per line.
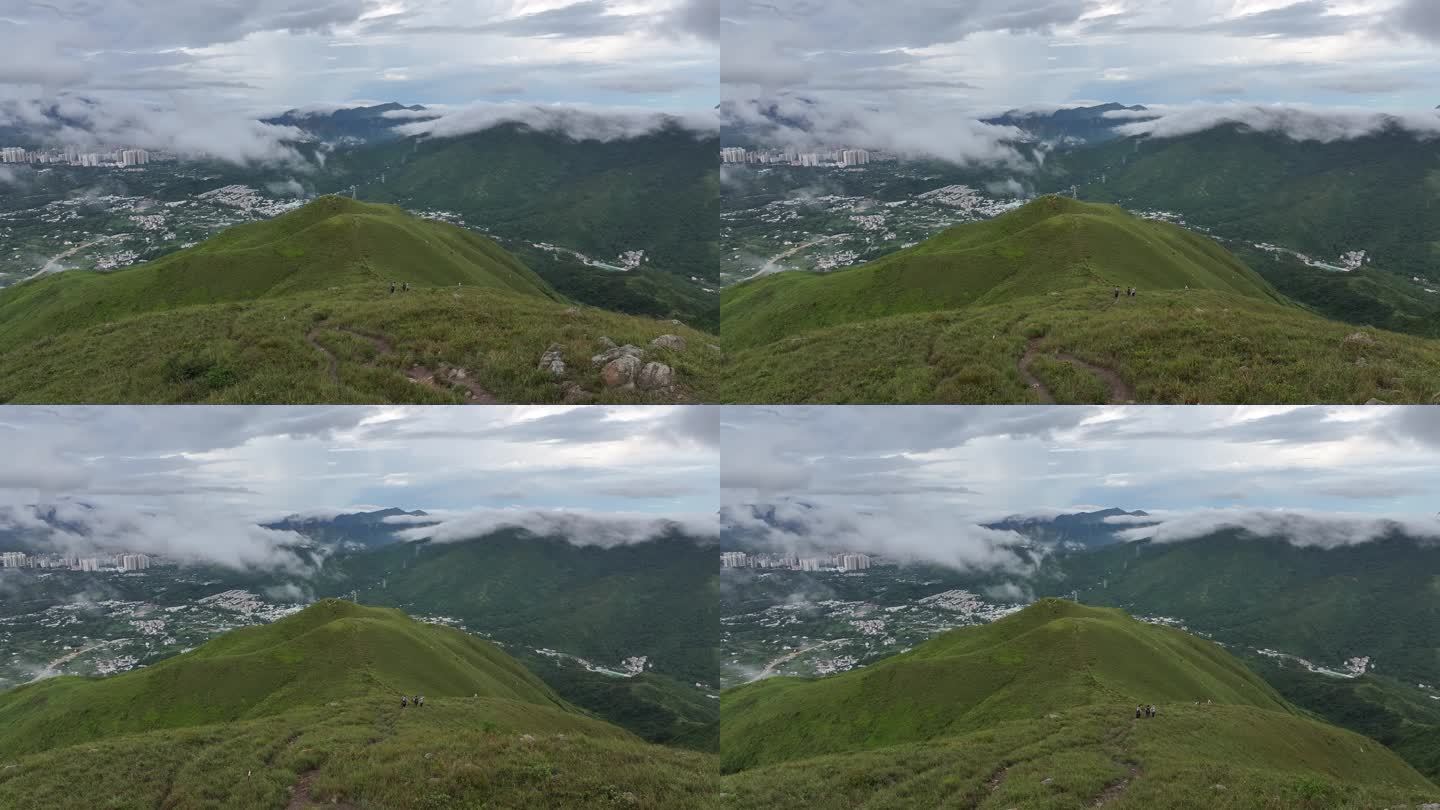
x=1300, y=122
x=921, y=483
x=580, y=527
x=1306, y=528
x=195, y=483
x=909, y=535
x=900, y=75
x=187, y=534
x=920, y=130
x=185, y=127
x=577, y=122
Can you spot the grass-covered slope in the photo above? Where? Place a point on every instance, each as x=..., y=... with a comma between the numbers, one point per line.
x=1021, y=309
x=1379, y=193
x=657, y=599
x=1321, y=603
x=1037, y=710
x=1172, y=346
x=333, y=650
x=1052, y=244
x=333, y=241
x=306, y=712
x=299, y=309
x=1052, y=656
x=658, y=192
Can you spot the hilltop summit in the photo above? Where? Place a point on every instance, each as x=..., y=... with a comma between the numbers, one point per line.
x=1039, y=710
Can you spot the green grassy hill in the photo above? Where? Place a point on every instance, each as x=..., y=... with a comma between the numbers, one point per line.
x=1379, y=599
x=298, y=309
x=656, y=599
x=1037, y=710
x=1052, y=244
x=657, y=192
x=1020, y=309
x=307, y=710
x=1394, y=712
x=1379, y=193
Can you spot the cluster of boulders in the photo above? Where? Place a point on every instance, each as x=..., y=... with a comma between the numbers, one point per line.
x=621, y=367
x=625, y=366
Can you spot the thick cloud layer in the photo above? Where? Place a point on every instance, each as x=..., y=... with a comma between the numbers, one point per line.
x=1306, y=528
x=579, y=527
x=912, y=131
x=1295, y=121
x=193, y=482
x=187, y=534
x=933, y=535
x=920, y=482
x=580, y=123
x=190, y=129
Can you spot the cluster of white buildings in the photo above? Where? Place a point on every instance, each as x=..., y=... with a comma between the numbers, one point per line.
x=794, y=562
x=793, y=157
x=71, y=155
x=74, y=562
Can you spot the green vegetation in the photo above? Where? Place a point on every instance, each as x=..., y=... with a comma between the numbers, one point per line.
x=658, y=192
x=1178, y=346
x=1406, y=719
x=1379, y=193
x=1037, y=710
x=642, y=291
x=1367, y=296
x=1051, y=245
x=298, y=309
x=332, y=650
x=951, y=320
x=657, y=599
x=306, y=710
x=1321, y=603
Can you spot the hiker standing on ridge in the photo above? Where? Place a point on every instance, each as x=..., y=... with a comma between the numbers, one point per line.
x=1117, y=294
x=404, y=701
x=405, y=287
x=392, y=288
x=1137, y=712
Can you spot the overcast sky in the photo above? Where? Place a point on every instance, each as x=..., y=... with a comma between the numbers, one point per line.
x=191, y=75
x=920, y=478
x=274, y=54
x=913, y=74
x=206, y=474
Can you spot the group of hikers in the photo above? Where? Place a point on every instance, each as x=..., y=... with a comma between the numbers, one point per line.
x=1144, y=711
x=404, y=286
x=1129, y=293
x=418, y=700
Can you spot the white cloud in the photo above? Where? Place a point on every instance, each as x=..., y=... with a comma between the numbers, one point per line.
x=911, y=534
x=186, y=127
x=1299, y=527
x=579, y=527
x=1300, y=122
x=576, y=121
x=185, y=533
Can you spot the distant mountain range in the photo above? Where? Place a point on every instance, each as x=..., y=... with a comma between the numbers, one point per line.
x=1072, y=125
x=1077, y=530
x=307, y=710
x=352, y=124
x=1039, y=709
x=352, y=531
